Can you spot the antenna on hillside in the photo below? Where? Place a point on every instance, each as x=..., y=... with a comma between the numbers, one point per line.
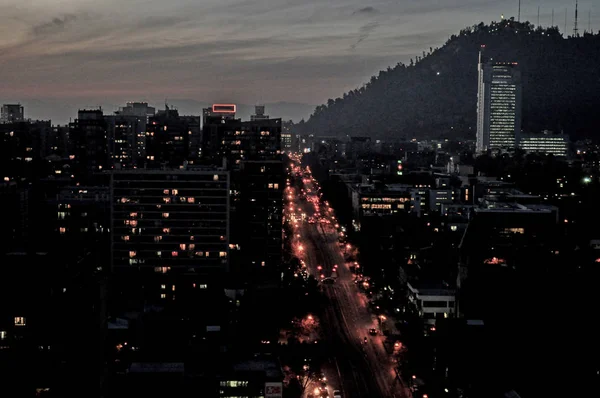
x=575, y=29
x=519, y=14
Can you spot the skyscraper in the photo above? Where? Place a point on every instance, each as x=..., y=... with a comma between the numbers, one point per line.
x=498, y=104
x=251, y=151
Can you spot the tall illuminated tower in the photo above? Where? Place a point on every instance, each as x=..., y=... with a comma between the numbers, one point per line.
x=498, y=104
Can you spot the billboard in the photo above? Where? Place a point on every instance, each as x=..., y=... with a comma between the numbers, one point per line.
x=273, y=390
x=224, y=108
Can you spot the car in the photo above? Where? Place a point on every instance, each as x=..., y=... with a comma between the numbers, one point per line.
x=337, y=394
x=373, y=332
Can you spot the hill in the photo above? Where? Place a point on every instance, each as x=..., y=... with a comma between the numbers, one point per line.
x=435, y=95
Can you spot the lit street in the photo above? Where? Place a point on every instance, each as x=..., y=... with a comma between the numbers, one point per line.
x=362, y=369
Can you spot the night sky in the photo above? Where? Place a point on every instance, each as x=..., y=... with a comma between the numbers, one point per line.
x=236, y=50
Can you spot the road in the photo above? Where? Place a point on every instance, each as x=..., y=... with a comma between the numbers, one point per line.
x=362, y=370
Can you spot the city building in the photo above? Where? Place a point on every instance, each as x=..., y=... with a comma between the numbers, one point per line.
x=251, y=151
x=170, y=229
x=169, y=138
x=438, y=197
x=380, y=200
x=546, y=143
x=286, y=141
x=498, y=104
x=259, y=113
x=89, y=139
x=15, y=225
x=253, y=378
x=219, y=111
x=432, y=302
x=12, y=113
x=80, y=212
x=126, y=140
x=51, y=324
x=127, y=134
x=20, y=144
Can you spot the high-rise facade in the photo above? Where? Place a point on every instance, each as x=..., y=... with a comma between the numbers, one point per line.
x=252, y=152
x=89, y=137
x=169, y=138
x=169, y=228
x=498, y=105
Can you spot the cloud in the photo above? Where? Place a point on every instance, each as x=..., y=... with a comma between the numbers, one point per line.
x=365, y=10
x=55, y=25
x=364, y=32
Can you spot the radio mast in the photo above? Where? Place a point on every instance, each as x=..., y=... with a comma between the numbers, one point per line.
x=575, y=29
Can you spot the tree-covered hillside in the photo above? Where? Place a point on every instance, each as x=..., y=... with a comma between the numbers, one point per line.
x=435, y=95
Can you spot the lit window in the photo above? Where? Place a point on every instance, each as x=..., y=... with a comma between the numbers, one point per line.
x=3, y=335
x=166, y=230
x=62, y=230
x=133, y=215
x=166, y=191
x=125, y=238
x=271, y=185
x=167, y=200
x=262, y=263
x=20, y=321
x=276, y=186
x=133, y=223
x=173, y=288
x=163, y=296
x=191, y=200
x=174, y=191
x=199, y=254
x=182, y=246
x=216, y=177
x=132, y=254
x=191, y=246
x=203, y=286
x=165, y=215
x=222, y=254
x=163, y=287
x=174, y=253
x=159, y=253
x=157, y=238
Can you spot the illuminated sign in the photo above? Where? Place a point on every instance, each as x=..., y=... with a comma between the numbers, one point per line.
x=273, y=390
x=224, y=108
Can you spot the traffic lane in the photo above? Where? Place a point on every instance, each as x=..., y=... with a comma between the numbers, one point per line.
x=324, y=238
x=354, y=308
x=351, y=378
x=351, y=352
